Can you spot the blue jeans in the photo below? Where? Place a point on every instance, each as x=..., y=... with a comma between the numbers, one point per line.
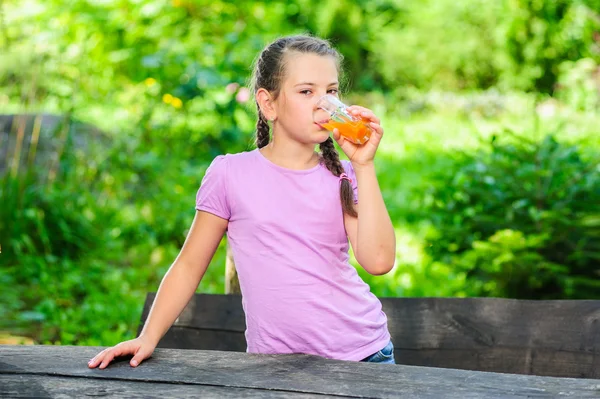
x=386, y=355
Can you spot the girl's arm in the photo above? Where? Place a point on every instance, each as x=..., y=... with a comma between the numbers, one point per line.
x=372, y=234
x=182, y=279
x=176, y=289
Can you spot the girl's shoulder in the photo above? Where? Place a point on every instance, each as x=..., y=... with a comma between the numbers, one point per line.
x=225, y=168
x=233, y=160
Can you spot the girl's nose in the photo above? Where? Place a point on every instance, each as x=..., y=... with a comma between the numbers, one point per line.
x=315, y=106
x=316, y=100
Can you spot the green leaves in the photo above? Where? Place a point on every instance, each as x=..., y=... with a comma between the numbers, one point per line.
x=165, y=81
x=524, y=210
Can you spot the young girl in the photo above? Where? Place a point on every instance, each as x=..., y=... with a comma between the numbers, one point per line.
x=289, y=213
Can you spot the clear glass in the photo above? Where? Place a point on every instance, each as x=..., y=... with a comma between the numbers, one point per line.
x=352, y=128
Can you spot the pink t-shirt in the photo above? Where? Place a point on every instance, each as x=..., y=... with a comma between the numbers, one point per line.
x=286, y=231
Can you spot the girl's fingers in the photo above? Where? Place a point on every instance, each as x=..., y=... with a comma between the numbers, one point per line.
x=122, y=349
x=119, y=350
x=377, y=127
x=107, y=359
x=133, y=347
x=138, y=358
x=336, y=134
x=364, y=113
x=96, y=359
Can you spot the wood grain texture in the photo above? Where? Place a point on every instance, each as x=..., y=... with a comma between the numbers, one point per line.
x=37, y=386
x=207, y=311
x=290, y=373
x=552, y=338
x=191, y=338
x=547, y=338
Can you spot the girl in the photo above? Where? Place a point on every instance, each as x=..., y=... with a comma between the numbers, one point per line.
x=289, y=213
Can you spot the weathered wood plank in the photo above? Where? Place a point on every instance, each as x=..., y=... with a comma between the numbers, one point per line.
x=293, y=373
x=34, y=386
x=503, y=360
x=191, y=338
x=551, y=338
x=207, y=311
x=485, y=322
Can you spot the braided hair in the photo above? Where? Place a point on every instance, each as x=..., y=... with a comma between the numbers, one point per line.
x=331, y=160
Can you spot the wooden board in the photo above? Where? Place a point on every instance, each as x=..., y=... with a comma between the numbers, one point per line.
x=34, y=386
x=548, y=338
x=212, y=322
x=300, y=374
x=552, y=338
x=208, y=312
x=191, y=338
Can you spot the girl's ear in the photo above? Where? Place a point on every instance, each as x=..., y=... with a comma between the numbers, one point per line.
x=266, y=104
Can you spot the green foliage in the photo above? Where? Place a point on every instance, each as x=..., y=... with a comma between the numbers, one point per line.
x=164, y=81
x=579, y=84
x=523, y=220
x=480, y=44
x=509, y=264
x=543, y=34
x=443, y=43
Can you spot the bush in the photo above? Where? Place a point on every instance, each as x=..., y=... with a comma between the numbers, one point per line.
x=541, y=35
x=80, y=250
x=43, y=230
x=522, y=220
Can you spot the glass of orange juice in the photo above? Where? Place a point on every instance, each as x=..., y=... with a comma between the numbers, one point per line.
x=352, y=128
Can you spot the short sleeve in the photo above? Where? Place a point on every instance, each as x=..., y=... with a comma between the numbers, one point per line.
x=212, y=195
x=350, y=172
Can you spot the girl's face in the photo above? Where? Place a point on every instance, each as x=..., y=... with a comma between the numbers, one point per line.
x=308, y=77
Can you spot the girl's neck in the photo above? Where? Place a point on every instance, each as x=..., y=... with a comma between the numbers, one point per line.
x=289, y=155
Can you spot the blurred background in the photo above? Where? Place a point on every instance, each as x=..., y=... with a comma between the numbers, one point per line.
x=111, y=110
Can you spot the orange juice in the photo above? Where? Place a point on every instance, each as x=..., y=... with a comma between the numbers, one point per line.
x=356, y=132
x=352, y=128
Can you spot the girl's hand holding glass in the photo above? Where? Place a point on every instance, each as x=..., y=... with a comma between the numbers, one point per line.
x=356, y=129
x=352, y=127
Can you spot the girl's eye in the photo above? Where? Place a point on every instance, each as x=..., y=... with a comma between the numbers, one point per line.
x=331, y=91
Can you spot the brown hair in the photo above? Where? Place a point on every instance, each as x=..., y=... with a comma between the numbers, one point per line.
x=269, y=71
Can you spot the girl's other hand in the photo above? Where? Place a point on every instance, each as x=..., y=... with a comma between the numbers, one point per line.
x=140, y=348
x=365, y=153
